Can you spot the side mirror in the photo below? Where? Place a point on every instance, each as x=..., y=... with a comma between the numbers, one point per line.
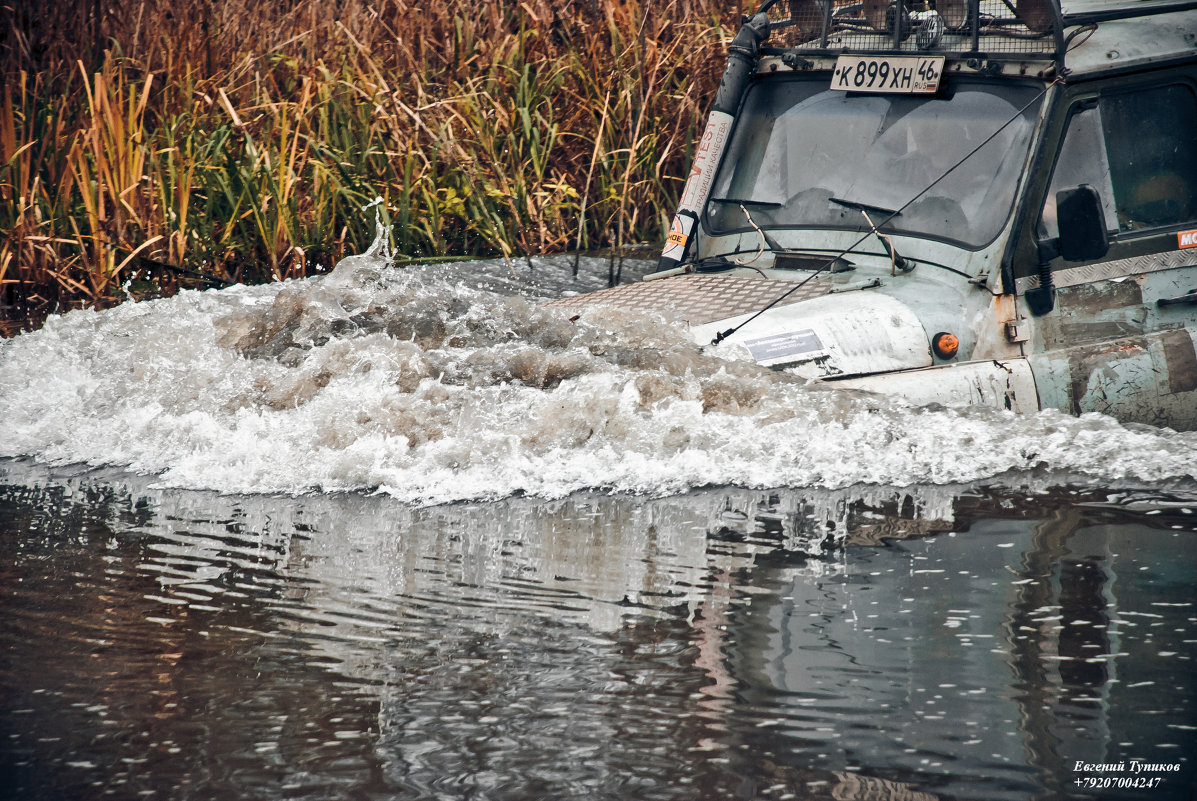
x=1082, y=224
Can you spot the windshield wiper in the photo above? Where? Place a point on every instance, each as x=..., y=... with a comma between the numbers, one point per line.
x=856, y=204
x=769, y=203
x=895, y=259
x=742, y=202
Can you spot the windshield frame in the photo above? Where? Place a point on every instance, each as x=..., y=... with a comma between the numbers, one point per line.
x=1012, y=148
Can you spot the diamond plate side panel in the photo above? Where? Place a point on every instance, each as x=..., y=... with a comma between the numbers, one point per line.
x=1090, y=273
x=695, y=299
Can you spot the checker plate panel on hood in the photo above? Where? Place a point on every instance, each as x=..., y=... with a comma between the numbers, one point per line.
x=695, y=299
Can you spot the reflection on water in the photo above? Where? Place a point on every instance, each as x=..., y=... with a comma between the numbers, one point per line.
x=866, y=643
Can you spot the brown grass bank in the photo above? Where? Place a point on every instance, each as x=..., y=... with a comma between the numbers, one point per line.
x=148, y=144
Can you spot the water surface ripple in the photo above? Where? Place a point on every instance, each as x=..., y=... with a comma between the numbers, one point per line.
x=957, y=643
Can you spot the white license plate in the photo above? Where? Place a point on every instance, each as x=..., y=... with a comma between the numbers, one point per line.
x=900, y=74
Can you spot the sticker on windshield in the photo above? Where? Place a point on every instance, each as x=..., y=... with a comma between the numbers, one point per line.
x=895, y=74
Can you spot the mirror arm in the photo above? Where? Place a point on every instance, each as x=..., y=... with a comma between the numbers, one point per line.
x=1042, y=298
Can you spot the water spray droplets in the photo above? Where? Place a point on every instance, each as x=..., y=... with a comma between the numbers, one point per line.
x=376, y=377
x=381, y=246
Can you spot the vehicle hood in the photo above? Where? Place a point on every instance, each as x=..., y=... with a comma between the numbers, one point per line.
x=841, y=334
x=815, y=330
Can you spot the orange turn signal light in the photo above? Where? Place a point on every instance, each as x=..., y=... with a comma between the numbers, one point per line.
x=945, y=345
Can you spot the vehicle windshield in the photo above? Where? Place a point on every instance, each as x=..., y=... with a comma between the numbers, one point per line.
x=803, y=156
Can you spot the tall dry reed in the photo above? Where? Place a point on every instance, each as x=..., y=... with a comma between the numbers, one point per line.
x=199, y=142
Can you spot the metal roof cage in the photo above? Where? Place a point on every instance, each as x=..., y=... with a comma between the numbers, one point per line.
x=994, y=28
x=990, y=29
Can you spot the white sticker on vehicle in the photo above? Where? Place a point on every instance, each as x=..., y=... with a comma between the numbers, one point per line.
x=706, y=159
x=781, y=346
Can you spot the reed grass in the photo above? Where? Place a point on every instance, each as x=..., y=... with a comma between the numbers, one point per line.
x=195, y=142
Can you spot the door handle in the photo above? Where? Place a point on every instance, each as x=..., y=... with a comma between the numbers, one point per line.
x=1186, y=299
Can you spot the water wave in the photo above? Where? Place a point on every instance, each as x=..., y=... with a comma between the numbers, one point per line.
x=417, y=384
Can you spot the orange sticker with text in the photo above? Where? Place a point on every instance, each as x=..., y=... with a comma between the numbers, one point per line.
x=1187, y=239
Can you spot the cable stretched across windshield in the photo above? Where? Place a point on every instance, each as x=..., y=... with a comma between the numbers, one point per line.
x=808, y=157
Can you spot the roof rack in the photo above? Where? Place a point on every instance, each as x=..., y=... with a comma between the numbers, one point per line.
x=980, y=29
x=1087, y=12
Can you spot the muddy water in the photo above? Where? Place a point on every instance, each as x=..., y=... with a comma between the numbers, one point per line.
x=396, y=534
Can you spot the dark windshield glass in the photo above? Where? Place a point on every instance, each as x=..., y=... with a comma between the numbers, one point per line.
x=808, y=157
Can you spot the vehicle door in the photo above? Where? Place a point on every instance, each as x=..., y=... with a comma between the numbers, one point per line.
x=1119, y=334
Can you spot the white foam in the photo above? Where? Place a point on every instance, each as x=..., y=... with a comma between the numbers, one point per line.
x=374, y=377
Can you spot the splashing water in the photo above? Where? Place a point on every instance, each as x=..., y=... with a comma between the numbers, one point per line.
x=419, y=386
x=381, y=246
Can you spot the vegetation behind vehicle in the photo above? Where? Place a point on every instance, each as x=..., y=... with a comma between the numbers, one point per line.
x=200, y=142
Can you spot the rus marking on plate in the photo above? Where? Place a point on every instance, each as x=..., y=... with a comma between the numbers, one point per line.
x=778, y=346
x=900, y=74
